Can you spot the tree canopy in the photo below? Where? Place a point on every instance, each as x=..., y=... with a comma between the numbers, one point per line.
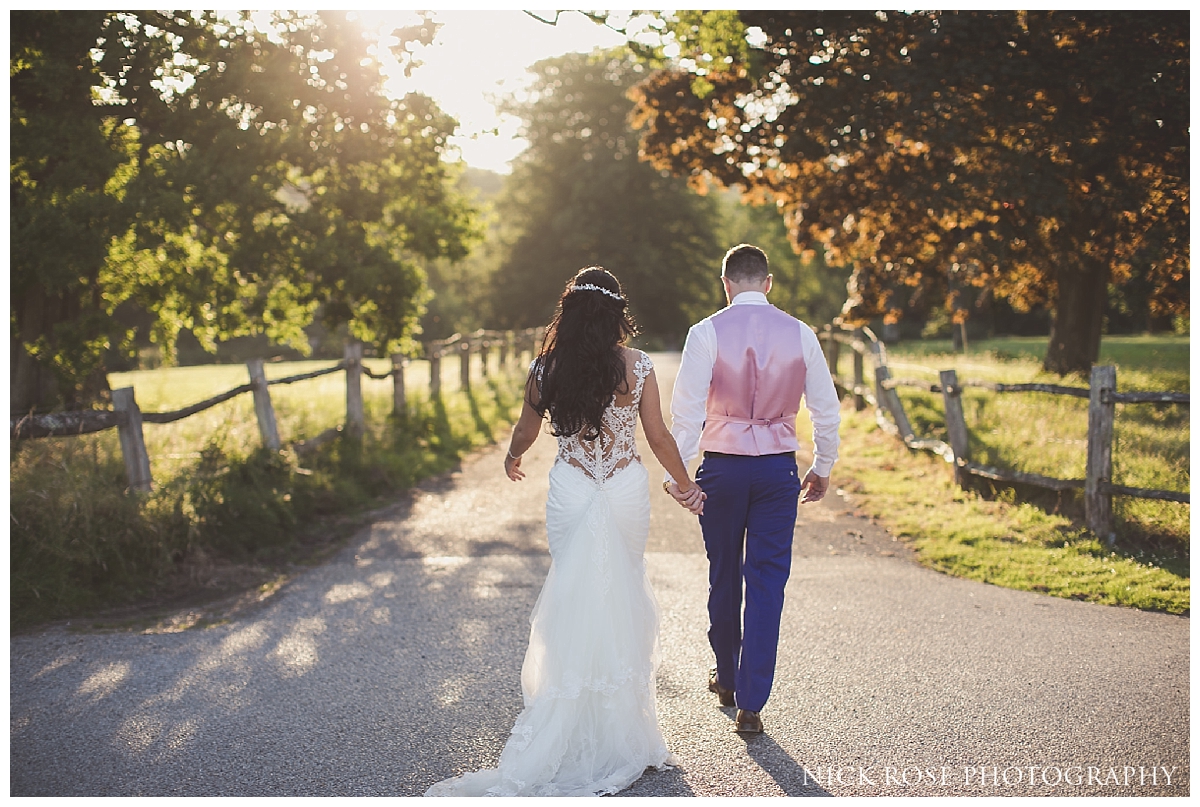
x=228, y=177
x=579, y=196
x=1041, y=155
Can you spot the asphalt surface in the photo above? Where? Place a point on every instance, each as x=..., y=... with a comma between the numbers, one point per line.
x=397, y=663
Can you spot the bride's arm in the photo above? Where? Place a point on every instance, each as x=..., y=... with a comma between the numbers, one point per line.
x=524, y=433
x=659, y=436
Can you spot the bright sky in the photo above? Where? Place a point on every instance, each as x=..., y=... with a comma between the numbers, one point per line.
x=481, y=56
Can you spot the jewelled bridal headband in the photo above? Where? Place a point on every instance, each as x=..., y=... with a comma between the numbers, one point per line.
x=590, y=287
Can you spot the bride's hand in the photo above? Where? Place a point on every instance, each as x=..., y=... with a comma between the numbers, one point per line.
x=512, y=467
x=692, y=500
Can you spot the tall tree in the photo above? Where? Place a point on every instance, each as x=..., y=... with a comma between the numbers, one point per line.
x=71, y=164
x=1041, y=155
x=579, y=196
x=243, y=178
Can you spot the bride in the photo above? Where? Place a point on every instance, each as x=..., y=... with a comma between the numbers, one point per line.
x=589, y=724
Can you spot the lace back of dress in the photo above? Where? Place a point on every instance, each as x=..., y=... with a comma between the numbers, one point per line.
x=616, y=447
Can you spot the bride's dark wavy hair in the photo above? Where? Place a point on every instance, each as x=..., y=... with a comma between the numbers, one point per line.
x=580, y=366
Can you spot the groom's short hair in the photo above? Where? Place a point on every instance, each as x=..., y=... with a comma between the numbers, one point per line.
x=745, y=263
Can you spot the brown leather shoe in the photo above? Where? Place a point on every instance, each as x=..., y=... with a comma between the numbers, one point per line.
x=726, y=695
x=747, y=722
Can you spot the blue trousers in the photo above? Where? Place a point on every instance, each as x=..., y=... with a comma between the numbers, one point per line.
x=748, y=522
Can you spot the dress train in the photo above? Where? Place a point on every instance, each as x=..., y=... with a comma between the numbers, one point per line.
x=589, y=725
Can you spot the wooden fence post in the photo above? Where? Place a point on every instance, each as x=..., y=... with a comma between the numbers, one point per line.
x=262, y=405
x=1097, y=500
x=889, y=400
x=833, y=350
x=354, y=401
x=435, y=371
x=483, y=354
x=878, y=351
x=956, y=425
x=399, y=398
x=505, y=348
x=860, y=403
x=133, y=446
x=464, y=365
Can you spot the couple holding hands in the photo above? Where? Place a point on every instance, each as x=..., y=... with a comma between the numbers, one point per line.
x=589, y=724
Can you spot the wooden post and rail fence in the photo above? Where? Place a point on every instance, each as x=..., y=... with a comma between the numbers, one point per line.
x=127, y=418
x=1102, y=399
x=865, y=348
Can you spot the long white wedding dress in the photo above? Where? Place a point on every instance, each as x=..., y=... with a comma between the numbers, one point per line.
x=589, y=725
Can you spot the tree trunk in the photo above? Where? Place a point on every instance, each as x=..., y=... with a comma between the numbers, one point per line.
x=32, y=384
x=1078, y=318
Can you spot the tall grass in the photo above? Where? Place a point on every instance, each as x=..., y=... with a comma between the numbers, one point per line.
x=80, y=542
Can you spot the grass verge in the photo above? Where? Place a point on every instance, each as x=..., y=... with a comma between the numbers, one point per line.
x=225, y=515
x=1024, y=539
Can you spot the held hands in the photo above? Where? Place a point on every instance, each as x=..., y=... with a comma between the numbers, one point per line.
x=692, y=500
x=813, y=487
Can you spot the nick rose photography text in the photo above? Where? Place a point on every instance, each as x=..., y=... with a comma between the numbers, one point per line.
x=994, y=775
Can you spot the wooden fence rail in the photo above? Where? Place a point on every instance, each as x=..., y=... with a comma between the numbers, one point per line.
x=1102, y=399
x=865, y=348
x=128, y=418
x=64, y=424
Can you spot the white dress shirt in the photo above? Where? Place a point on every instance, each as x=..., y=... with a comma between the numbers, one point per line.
x=690, y=395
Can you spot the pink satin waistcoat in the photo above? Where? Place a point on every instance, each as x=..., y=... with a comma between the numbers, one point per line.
x=757, y=382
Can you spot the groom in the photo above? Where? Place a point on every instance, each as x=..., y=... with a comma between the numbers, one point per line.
x=741, y=378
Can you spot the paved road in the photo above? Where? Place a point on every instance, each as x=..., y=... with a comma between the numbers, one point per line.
x=397, y=664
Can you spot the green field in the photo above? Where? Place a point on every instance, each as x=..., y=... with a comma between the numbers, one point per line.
x=302, y=410
x=225, y=514
x=1047, y=434
x=1023, y=538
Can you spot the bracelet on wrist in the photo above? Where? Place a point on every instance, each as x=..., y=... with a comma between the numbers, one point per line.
x=510, y=455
